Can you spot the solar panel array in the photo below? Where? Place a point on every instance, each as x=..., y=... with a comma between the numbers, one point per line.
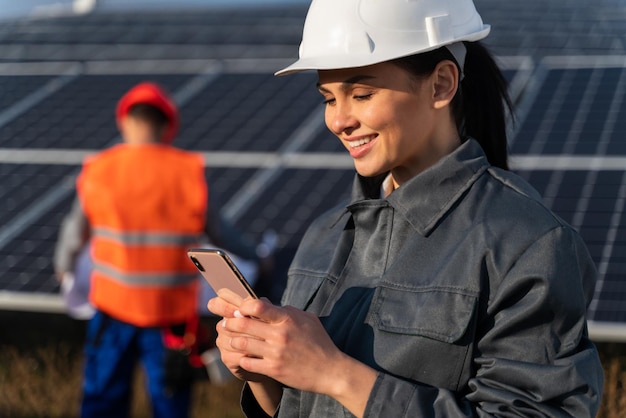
x=271, y=163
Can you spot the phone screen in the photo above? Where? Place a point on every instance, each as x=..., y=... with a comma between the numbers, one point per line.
x=220, y=271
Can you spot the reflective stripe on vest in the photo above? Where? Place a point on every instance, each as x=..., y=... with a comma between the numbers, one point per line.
x=147, y=238
x=145, y=279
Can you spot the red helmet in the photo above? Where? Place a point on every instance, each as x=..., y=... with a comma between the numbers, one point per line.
x=151, y=94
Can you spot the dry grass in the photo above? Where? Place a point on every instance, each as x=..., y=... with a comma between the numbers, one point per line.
x=613, y=358
x=210, y=401
x=41, y=383
x=46, y=383
x=43, y=379
x=41, y=361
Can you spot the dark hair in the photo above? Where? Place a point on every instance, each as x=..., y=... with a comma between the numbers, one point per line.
x=481, y=103
x=150, y=114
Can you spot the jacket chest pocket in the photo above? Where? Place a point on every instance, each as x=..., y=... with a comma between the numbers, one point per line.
x=425, y=334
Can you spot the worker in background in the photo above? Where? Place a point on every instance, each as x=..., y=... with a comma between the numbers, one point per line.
x=140, y=205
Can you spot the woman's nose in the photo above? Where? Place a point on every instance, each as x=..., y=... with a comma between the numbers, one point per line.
x=340, y=118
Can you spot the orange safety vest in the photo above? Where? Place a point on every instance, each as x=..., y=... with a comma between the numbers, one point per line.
x=146, y=205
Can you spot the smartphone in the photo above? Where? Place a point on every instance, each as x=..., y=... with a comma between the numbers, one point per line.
x=219, y=270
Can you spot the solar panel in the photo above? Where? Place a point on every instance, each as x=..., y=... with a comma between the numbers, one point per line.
x=26, y=244
x=16, y=88
x=22, y=185
x=80, y=115
x=247, y=112
x=294, y=200
x=572, y=108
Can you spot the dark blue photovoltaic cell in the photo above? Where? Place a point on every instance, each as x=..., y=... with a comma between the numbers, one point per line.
x=23, y=185
x=248, y=112
x=326, y=141
x=294, y=200
x=225, y=183
x=576, y=111
x=13, y=89
x=80, y=115
x=536, y=113
x=25, y=264
x=182, y=27
x=617, y=142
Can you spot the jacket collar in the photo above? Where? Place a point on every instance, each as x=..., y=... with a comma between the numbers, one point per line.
x=427, y=197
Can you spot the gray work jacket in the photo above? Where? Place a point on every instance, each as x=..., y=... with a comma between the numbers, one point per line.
x=463, y=291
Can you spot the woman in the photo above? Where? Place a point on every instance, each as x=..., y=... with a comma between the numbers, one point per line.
x=445, y=288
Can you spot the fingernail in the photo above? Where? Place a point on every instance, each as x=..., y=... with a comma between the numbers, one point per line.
x=224, y=323
x=238, y=314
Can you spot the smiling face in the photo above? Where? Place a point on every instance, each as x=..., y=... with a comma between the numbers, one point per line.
x=389, y=120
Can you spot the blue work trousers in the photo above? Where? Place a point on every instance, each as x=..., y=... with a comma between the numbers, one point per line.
x=113, y=349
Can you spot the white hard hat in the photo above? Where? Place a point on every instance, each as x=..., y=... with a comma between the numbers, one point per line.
x=354, y=33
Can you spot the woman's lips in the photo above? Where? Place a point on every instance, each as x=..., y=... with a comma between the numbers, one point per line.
x=359, y=147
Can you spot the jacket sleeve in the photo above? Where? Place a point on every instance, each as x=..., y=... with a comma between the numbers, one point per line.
x=73, y=235
x=533, y=354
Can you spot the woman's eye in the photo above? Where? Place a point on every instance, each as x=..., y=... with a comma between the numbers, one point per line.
x=362, y=96
x=327, y=102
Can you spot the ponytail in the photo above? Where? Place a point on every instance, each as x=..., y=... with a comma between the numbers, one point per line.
x=485, y=103
x=481, y=103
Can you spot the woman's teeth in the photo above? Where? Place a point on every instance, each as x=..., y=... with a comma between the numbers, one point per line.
x=358, y=143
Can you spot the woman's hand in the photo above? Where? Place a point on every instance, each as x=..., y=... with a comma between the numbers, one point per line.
x=285, y=344
x=225, y=305
x=259, y=341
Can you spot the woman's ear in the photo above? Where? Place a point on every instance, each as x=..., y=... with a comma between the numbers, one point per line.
x=446, y=83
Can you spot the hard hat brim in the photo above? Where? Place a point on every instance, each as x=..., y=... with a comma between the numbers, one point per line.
x=336, y=62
